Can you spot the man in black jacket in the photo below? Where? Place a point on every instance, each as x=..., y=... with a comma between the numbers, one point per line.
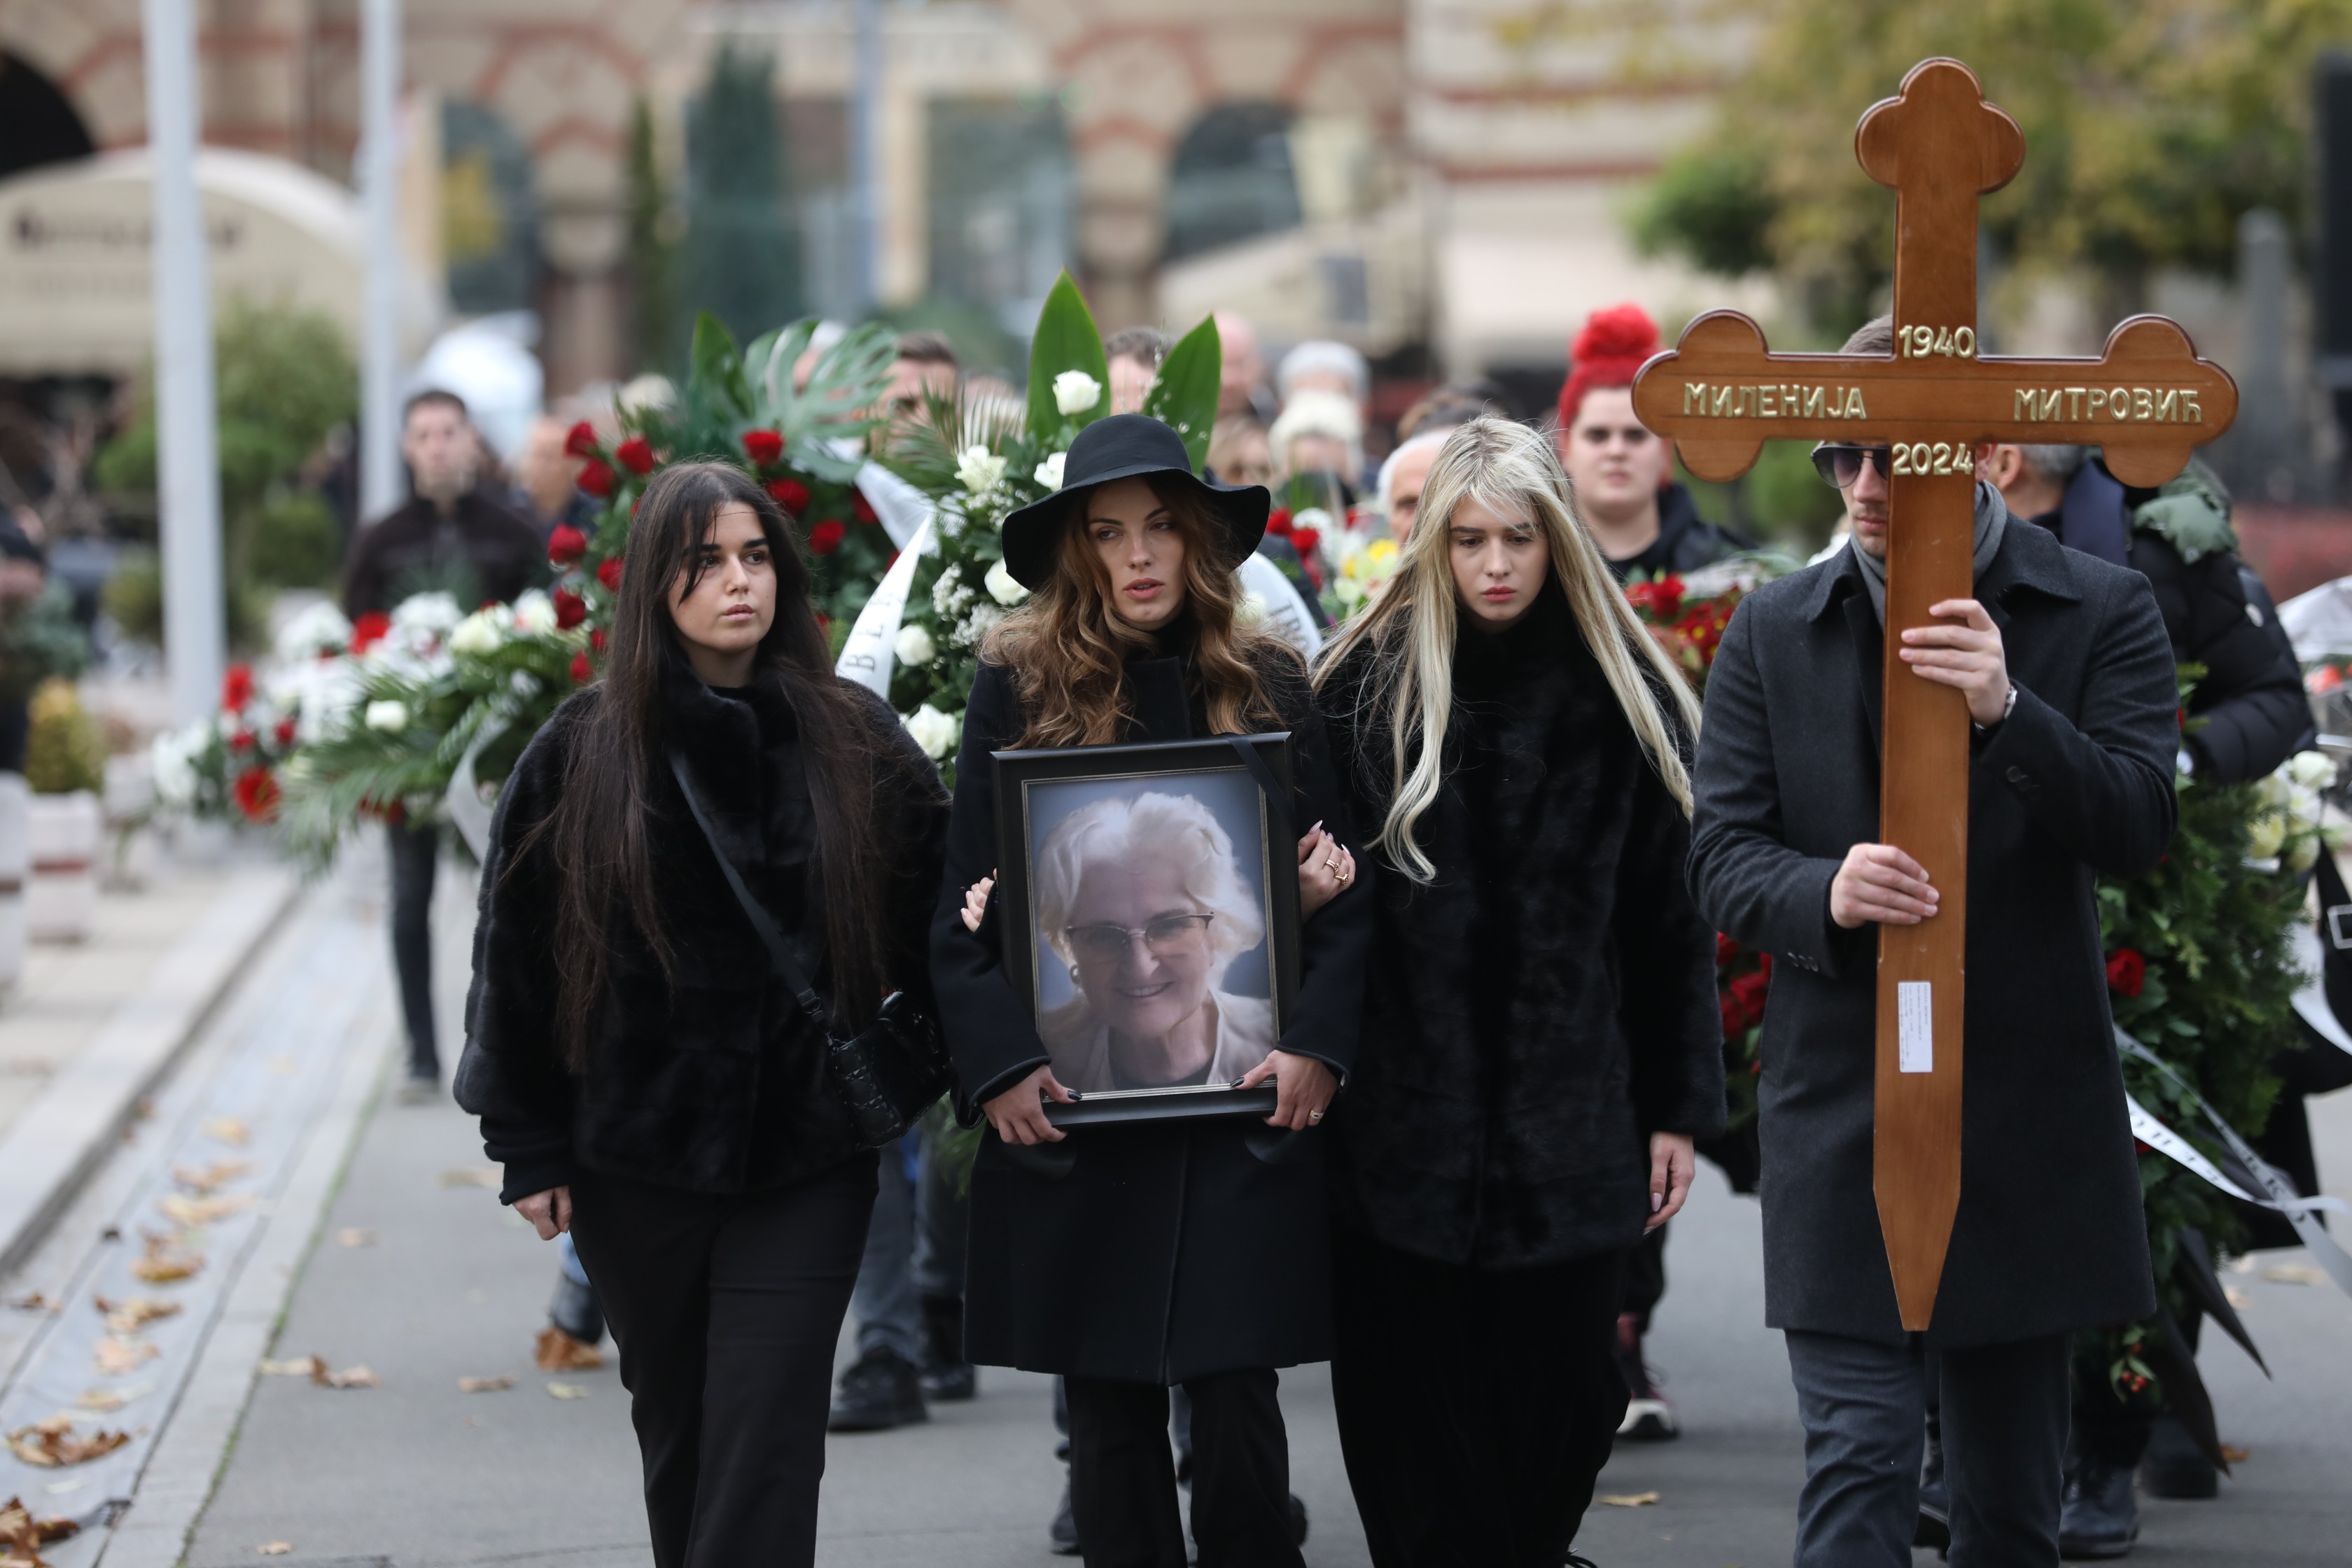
x=451, y=537
x=2069, y=684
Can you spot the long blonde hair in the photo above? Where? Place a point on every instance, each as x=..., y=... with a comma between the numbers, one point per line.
x=1407, y=635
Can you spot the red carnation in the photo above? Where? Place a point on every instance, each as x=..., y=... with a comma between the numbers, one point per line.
x=596, y=478
x=762, y=447
x=286, y=730
x=369, y=629
x=2126, y=972
x=636, y=454
x=257, y=793
x=565, y=545
x=1277, y=521
x=790, y=494
x=582, y=670
x=608, y=571
x=1661, y=596
x=236, y=686
x=860, y=508
x=571, y=609
x=580, y=441
x=826, y=536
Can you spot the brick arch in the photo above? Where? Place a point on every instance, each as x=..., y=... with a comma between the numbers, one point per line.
x=91, y=54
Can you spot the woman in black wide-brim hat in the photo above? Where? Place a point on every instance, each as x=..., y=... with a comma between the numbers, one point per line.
x=1133, y=1258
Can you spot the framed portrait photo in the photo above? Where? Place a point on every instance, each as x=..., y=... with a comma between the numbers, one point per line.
x=1149, y=907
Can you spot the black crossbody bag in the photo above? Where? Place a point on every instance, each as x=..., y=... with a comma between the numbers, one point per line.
x=892, y=1071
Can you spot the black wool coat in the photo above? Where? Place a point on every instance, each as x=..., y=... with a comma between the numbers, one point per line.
x=1152, y=1253
x=2077, y=784
x=1548, y=1002
x=713, y=1080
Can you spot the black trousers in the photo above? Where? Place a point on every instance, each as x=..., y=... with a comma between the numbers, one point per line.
x=1123, y=1481
x=1475, y=1407
x=727, y=1310
x=415, y=852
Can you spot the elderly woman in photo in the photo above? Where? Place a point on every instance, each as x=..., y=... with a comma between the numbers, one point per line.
x=1144, y=903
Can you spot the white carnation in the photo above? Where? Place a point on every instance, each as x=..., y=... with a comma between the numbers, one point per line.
x=1004, y=587
x=2312, y=770
x=978, y=469
x=172, y=758
x=933, y=731
x=1075, y=392
x=1049, y=472
x=437, y=613
x=482, y=633
x=319, y=628
x=534, y=612
x=914, y=646
x=388, y=714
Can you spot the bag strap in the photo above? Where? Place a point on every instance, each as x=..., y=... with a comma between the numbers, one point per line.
x=1277, y=799
x=779, y=954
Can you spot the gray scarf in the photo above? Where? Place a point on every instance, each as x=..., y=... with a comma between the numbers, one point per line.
x=1992, y=517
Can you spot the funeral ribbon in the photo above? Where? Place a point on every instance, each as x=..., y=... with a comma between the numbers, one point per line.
x=2251, y=1171
x=867, y=656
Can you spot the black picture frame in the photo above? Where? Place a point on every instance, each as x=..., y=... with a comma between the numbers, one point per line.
x=1215, y=772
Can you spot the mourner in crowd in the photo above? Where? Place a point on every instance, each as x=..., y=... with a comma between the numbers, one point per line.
x=1133, y=358
x=639, y=1067
x=2068, y=678
x=1541, y=1042
x=1134, y=1259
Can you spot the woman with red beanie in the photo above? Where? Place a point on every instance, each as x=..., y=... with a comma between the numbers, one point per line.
x=1641, y=519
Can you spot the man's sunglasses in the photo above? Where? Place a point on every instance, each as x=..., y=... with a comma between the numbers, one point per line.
x=1840, y=465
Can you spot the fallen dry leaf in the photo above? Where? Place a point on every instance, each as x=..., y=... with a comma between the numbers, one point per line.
x=182, y=1209
x=351, y=1235
x=486, y=1384
x=133, y=1313
x=101, y=1400
x=117, y=1355
x=308, y=1367
x=555, y=1350
x=491, y=1176
x=162, y=1262
x=52, y=1443
x=2294, y=1274
x=275, y=1548
x=2237, y=1298
x=1627, y=1499
x=567, y=1391
x=212, y=1177
x=31, y=1301
x=350, y=1377
x=2235, y=1454
x=230, y=1129
x=22, y=1536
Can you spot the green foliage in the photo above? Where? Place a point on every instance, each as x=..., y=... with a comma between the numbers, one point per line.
x=63, y=751
x=1715, y=205
x=296, y=543
x=1185, y=394
x=40, y=639
x=1067, y=339
x=653, y=250
x=742, y=258
x=981, y=344
x=134, y=599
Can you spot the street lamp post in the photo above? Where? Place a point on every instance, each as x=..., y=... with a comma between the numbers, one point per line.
x=379, y=172
x=865, y=153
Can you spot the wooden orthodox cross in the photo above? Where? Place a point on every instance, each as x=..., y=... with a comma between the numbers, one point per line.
x=1721, y=395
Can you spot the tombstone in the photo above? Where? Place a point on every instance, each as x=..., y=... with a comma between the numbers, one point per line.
x=1720, y=394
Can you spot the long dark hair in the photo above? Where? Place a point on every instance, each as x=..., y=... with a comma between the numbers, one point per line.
x=597, y=839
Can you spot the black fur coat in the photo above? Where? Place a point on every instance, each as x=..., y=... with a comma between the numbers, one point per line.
x=1548, y=1002
x=713, y=1082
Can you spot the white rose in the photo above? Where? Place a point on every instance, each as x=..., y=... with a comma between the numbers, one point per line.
x=319, y=628
x=2264, y=834
x=172, y=758
x=2301, y=852
x=534, y=612
x=1049, y=472
x=1075, y=392
x=479, y=633
x=978, y=469
x=2312, y=770
x=434, y=612
x=388, y=714
x=1002, y=587
x=933, y=731
x=914, y=646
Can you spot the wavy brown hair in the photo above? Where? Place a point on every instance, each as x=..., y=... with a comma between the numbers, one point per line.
x=597, y=841
x=1067, y=649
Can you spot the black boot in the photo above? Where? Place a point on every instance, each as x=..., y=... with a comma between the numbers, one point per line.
x=2100, y=1516
x=947, y=1377
x=1062, y=1536
x=2174, y=1466
x=1934, y=1526
x=879, y=1390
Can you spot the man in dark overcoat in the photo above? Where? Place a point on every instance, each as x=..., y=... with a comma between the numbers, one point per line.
x=2069, y=681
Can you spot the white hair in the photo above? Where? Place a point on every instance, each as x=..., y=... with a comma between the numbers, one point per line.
x=1121, y=832
x=1318, y=412
x=1422, y=441
x=1322, y=354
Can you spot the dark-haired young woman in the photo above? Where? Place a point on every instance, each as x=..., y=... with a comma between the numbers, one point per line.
x=1131, y=1258
x=1541, y=1043
x=646, y=1080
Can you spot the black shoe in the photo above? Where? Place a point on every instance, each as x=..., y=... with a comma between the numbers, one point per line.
x=1298, y=1521
x=1649, y=1418
x=1062, y=1536
x=574, y=1310
x=947, y=1377
x=879, y=1390
x=2174, y=1466
x=1573, y=1560
x=2100, y=1516
x=1934, y=1526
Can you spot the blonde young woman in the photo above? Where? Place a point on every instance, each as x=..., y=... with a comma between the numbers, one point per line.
x=1540, y=1042
x=1131, y=1258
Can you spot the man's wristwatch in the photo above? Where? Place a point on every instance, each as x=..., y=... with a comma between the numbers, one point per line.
x=2007, y=708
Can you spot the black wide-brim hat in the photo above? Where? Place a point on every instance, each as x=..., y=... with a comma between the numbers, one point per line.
x=1126, y=447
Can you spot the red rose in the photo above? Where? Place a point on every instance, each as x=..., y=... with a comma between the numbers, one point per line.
x=597, y=478
x=571, y=609
x=565, y=545
x=636, y=454
x=1277, y=521
x=257, y=793
x=597, y=638
x=608, y=571
x=370, y=628
x=826, y=536
x=762, y=447
x=236, y=687
x=582, y=670
x=790, y=494
x=860, y=508
x=2126, y=972
x=1725, y=949
x=1306, y=540
x=580, y=441
x=286, y=730
x=241, y=741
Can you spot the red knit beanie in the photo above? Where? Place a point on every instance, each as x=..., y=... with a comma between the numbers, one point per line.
x=1612, y=347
